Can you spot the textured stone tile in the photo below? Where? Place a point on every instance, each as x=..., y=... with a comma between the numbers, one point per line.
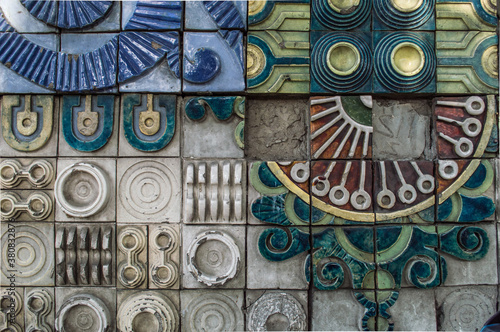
x=393, y=73
x=33, y=135
x=39, y=304
x=132, y=256
x=402, y=129
x=467, y=190
x=329, y=311
x=339, y=15
x=279, y=15
x=89, y=130
x=149, y=191
x=276, y=130
x=467, y=62
x=93, y=245
x=278, y=62
x=160, y=136
x=220, y=121
x=139, y=309
x=464, y=309
x=213, y=61
x=27, y=205
x=27, y=173
x=271, y=202
x=475, y=251
x=277, y=311
x=400, y=15
x=341, y=127
x=341, y=62
x=12, y=299
x=467, y=15
x=270, y=269
x=164, y=256
x=211, y=309
x=215, y=191
x=85, y=308
x=465, y=126
x=33, y=261
x=84, y=189
x=214, y=15
x=12, y=82
x=414, y=310
x=213, y=256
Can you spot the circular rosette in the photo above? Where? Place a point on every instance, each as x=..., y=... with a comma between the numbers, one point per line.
x=342, y=15
x=341, y=62
x=400, y=14
x=68, y=14
x=406, y=62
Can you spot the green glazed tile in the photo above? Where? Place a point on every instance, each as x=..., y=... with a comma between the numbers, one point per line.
x=279, y=15
x=466, y=15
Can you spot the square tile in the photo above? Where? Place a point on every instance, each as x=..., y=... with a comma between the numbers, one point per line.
x=213, y=61
x=393, y=74
x=85, y=190
x=164, y=256
x=270, y=265
x=213, y=256
x=279, y=15
x=278, y=62
x=215, y=15
x=35, y=319
x=13, y=298
x=466, y=62
x=469, y=15
x=27, y=205
x=341, y=127
x=132, y=256
x=341, y=62
x=149, y=191
x=337, y=15
x=27, y=173
x=89, y=126
x=148, y=15
x=149, y=125
x=35, y=133
x=220, y=120
x=215, y=192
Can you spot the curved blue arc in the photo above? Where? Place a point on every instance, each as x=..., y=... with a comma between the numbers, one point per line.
x=156, y=15
x=271, y=61
x=105, y=129
x=224, y=13
x=129, y=121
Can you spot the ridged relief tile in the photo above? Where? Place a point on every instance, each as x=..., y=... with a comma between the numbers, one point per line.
x=214, y=15
x=24, y=173
x=279, y=15
x=339, y=15
x=132, y=256
x=39, y=304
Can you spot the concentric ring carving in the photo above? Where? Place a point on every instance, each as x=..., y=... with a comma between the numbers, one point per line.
x=213, y=311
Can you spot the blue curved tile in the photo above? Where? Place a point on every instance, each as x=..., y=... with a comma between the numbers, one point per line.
x=139, y=51
x=225, y=14
x=89, y=71
x=235, y=41
x=72, y=105
x=29, y=60
x=202, y=67
x=156, y=15
x=68, y=14
x=4, y=25
x=133, y=105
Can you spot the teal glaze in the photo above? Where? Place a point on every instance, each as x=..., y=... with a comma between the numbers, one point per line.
x=387, y=79
x=324, y=17
x=301, y=209
x=388, y=17
x=130, y=102
x=468, y=243
x=279, y=244
x=104, y=130
x=475, y=209
x=271, y=209
x=492, y=146
x=370, y=309
x=383, y=307
x=267, y=10
x=222, y=107
x=271, y=61
x=267, y=177
x=325, y=80
x=477, y=178
x=361, y=238
x=428, y=214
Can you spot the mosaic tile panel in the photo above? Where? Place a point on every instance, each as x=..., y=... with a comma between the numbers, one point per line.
x=261, y=165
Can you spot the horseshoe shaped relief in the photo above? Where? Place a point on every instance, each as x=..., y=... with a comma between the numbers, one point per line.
x=136, y=53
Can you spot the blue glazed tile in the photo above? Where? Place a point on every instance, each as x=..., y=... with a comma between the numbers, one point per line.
x=148, y=120
x=141, y=51
x=87, y=123
x=393, y=71
x=213, y=61
x=341, y=15
x=151, y=15
x=18, y=78
x=341, y=62
x=399, y=15
x=18, y=16
x=214, y=15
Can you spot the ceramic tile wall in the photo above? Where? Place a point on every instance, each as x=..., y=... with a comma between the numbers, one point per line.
x=261, y=165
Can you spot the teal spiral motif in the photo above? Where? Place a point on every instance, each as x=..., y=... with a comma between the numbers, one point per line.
x=389, y=77
x=332, y=81
x=348, y=20
x=397, y=19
